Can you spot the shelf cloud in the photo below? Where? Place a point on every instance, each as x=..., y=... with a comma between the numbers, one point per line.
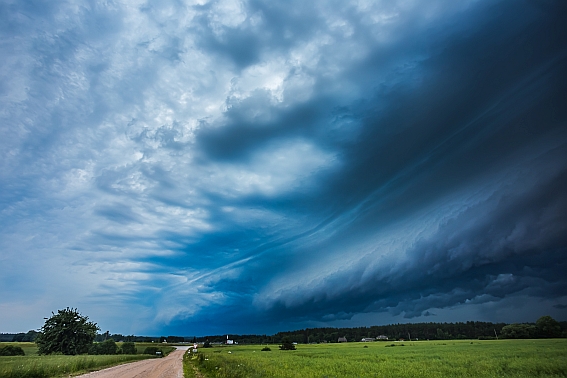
x=199, y=167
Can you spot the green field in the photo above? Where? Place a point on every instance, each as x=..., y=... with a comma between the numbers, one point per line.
x=464, y=358
x=32, y=365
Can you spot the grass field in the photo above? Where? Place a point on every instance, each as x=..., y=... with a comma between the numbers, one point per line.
x=503, y=358
x=33, y=366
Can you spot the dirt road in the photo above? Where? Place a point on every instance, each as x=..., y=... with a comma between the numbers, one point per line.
x=167, y=367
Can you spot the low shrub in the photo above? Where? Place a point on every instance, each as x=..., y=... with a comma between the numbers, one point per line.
x=12, y=350
x=128, y=348
x=266, y=349
x=153, y=351
x=107, y=347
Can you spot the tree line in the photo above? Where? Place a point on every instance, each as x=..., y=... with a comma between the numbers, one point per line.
x=544, y=327
x=83, y=333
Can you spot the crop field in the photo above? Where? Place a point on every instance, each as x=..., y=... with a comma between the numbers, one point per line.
x=32, y=365
x=463, y=358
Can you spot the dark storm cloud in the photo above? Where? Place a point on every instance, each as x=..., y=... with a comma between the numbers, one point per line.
x=242, y=135
x=489, y=98
x=273, y=166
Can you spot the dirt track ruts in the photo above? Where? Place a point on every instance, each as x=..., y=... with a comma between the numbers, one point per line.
x=167, y=367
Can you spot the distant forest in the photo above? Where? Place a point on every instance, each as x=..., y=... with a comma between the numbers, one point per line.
x=544, y=327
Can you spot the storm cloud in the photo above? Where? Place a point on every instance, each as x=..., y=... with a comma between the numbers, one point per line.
x=275, y=167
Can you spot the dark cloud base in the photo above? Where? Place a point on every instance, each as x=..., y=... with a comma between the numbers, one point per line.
x=491, y=98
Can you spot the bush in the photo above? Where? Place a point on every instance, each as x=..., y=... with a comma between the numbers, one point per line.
x=266, y=349
x=153, y=351
x=11, y=350
x=128, y=348
x=94, y=349
x=107, y=347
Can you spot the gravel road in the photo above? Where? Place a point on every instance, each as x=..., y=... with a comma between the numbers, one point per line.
x=167, y=367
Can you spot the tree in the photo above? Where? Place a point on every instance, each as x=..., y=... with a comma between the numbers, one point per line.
x=25, y=337
x=519, y=331
x=128, y=348
x=287, y=344
x=548, y=327
x=66, y=332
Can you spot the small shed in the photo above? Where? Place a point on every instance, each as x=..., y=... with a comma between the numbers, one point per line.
x=342, y=339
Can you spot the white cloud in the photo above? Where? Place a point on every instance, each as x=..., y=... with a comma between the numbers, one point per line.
x=273, y=171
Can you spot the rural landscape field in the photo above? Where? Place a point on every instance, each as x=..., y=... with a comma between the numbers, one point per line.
x=449, y=358
x=435, y=358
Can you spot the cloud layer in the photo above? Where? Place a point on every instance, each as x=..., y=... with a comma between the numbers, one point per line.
x=246, y=166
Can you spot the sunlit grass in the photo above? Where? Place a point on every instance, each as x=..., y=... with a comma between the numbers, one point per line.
x=504, y=358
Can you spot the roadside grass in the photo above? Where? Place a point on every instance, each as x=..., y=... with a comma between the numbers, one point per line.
x=188, y=367
x=462, y=358
x=53, y=366
x=59, y=365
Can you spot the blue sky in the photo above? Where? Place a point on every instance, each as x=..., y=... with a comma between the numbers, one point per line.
x=208, y=167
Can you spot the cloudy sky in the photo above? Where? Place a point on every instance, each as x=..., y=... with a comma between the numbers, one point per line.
x=252, y=166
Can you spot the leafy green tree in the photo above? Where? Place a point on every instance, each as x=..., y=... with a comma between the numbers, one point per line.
x=128, y=348
x=519, y=331
x=548, y=327
x=25, y=337
x=66, y=332
x=287, y=344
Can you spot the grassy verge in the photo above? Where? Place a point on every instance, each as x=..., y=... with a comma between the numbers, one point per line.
x=189, y=369
x=470, y=358
x=58, y=365
x=33, y=366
